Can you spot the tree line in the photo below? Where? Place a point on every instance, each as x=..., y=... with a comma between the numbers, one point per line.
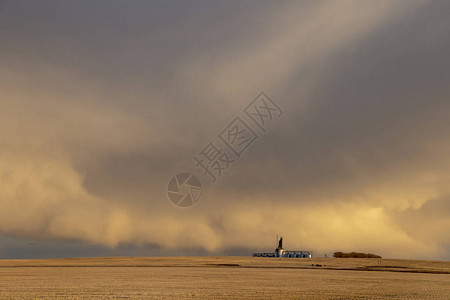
x=355, y=255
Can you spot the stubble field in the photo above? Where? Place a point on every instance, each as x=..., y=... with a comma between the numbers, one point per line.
x=224, y=278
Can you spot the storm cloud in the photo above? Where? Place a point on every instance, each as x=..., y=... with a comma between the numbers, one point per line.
x=103, y=102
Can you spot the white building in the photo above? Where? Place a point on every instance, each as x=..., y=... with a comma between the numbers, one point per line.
x=280, y=252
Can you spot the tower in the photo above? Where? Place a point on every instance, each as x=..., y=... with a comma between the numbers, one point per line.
x=279, y=251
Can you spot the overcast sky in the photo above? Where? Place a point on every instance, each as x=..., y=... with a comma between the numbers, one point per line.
x=102, y=102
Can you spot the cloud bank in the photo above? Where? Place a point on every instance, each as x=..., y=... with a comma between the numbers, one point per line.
x=102, y=103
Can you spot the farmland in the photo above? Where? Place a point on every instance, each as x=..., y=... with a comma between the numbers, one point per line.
x=224, y=278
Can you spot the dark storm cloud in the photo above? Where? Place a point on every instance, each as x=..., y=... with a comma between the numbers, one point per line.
x=103, y=102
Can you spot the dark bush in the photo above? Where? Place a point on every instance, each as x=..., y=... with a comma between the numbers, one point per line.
x=355, y=255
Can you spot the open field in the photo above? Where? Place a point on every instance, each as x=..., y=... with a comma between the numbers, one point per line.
x=224, y=278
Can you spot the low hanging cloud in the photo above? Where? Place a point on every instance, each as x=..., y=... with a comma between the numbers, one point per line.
x=98, y=114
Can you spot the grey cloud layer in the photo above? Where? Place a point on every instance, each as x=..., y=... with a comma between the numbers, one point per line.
x=103, y=103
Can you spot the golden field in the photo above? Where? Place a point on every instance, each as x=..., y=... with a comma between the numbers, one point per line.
x=224, y=278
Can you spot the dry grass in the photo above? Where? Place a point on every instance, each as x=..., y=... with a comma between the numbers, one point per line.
x=224, y=278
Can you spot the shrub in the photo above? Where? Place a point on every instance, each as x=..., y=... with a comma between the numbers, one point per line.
x=355, y=255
